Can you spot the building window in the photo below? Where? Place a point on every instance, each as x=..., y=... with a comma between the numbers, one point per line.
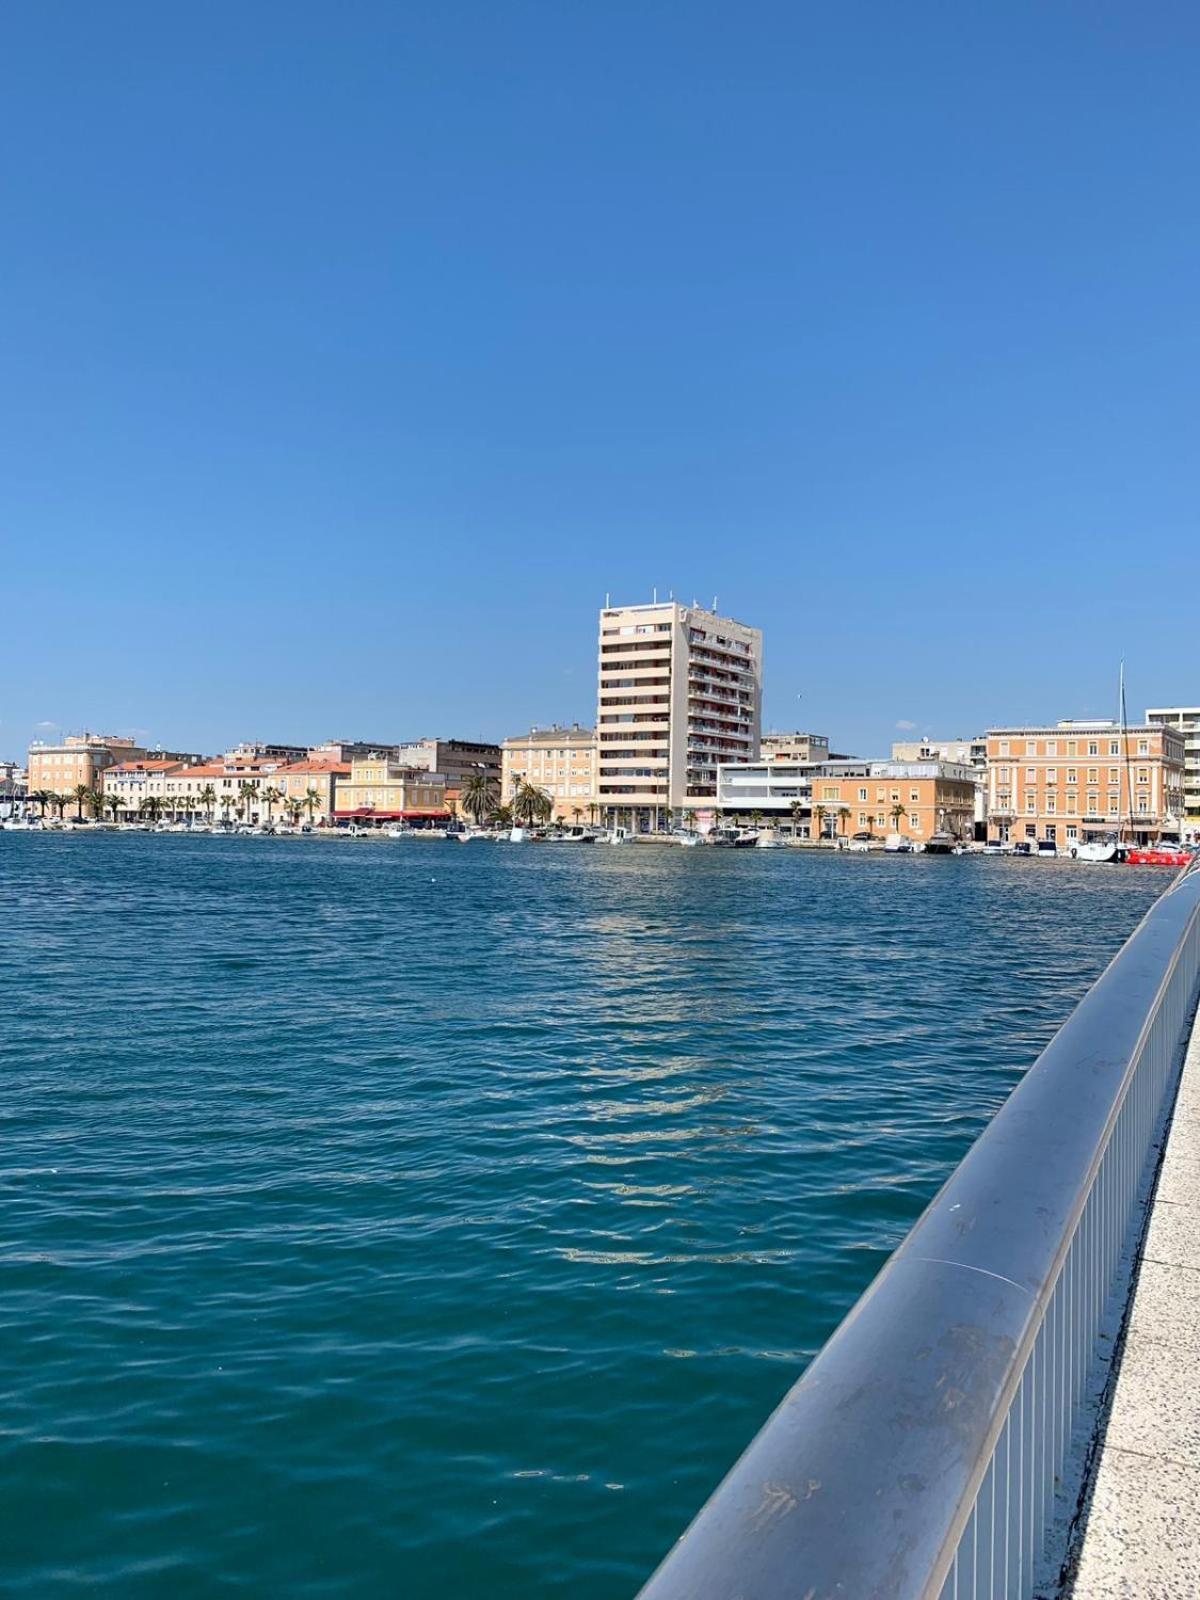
x=1072, y=777
x=862, y=794
x=1030, y=774
x=1143, y=747
x=1031, y=747
x=1093, y=748
x=1052, y=775
x=1051, y=747
x=1114, y=748
x=1004, y=747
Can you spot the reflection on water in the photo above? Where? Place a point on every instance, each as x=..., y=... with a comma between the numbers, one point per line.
x=389, y=1219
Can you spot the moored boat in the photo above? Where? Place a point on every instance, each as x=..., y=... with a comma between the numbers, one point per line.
x=1161, y=855
x=941, y=844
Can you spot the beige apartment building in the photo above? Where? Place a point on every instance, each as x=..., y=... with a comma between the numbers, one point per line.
x=680, y=692
x=1075, y=781
x=380, y=789
x=794, y=747
x=561, y=761
x=1186, y=721
x=915, y=799
x=81, y=759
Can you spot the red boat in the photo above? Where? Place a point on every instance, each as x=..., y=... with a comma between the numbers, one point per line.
x=1160, y=856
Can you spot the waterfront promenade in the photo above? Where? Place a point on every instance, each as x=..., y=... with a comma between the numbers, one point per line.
x=1141, y=1534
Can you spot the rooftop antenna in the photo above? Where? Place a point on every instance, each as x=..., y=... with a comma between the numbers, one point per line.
x=714, y=604
x=655, y=592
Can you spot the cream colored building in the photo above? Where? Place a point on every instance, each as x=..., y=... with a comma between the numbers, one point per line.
x=561, y=761
x=794, y=747
x=680, y=691
x=192, y=791
x=317, y=777
x=1073, y=781
x=81, y=759
x=380, y=789
x=1186, y=722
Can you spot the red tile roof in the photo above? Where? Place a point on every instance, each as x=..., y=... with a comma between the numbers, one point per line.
x=143, y=766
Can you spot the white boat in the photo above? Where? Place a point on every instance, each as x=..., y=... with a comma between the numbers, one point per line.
x=398, y=830
x=470, y=835
x=687, y=837
x=1095, y=850
x=770, y=840
x=615, y=836
x=518, y=836
x=897, y=845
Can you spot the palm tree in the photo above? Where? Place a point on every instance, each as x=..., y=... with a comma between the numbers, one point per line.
x=248, y=791
x=44, y=798
x=151, y=807
x=271, y=796
x=114, y=804
x=577, y=812
x=479, y=795
x=311, y=801
x=756, y=817
x=689, y=819
x=797, y=810
x=898, y=811
x=208, y=799
x=819, y=815
x=843, y=817
x=80, y=794
x=501, y=817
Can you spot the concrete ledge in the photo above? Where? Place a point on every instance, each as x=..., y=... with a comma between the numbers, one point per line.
x=1142, y=1532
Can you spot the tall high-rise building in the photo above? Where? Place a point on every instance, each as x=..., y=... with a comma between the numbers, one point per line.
x=680, y=692
x=1185, y=720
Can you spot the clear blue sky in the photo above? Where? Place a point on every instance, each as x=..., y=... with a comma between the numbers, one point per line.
x=349, y=355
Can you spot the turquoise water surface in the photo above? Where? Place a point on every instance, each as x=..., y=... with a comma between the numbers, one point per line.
x=397, y=1218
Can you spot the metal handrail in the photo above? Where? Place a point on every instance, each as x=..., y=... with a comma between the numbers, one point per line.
x=919, y=1455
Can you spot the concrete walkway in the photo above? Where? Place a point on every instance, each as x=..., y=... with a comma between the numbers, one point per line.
x=1142, y=1537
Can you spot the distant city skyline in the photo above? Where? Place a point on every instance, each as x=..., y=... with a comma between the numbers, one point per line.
x=350, y=364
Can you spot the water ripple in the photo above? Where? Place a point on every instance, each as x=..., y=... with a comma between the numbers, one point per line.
x=398, y=1219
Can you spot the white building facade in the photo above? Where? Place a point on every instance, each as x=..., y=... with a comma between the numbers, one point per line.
x=680, y=692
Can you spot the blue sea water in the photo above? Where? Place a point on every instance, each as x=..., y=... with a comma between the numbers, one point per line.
x=392, y=1218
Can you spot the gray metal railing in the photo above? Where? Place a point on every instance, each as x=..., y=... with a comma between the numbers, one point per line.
x=920, y=1453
